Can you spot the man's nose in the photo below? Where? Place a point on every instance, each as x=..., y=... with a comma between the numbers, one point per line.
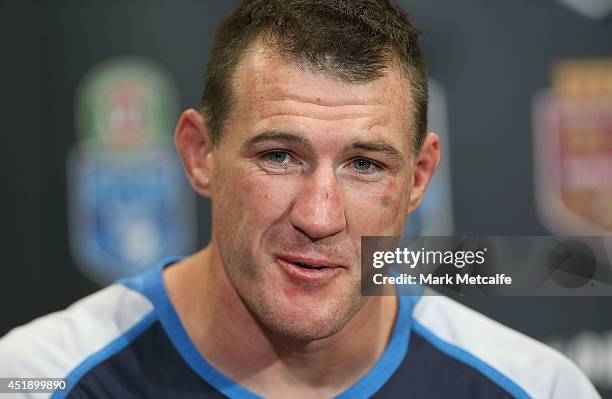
x=319, y=207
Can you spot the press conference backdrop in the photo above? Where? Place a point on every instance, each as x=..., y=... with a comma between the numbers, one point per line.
x=489, y=61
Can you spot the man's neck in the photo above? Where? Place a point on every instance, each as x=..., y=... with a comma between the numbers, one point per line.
x=231, y=339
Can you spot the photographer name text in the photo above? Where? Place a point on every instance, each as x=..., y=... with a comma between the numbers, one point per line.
x=447, y=279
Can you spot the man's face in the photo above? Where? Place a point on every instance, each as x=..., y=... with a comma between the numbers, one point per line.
x=306, y=166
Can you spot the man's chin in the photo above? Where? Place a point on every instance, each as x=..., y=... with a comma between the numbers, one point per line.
x=301, y=332
x=305, y=322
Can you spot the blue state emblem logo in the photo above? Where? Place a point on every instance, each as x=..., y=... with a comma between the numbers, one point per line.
x=129, y=201
x=128, y=213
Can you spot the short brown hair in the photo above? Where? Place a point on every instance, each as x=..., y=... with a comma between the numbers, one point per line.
x=353, y=40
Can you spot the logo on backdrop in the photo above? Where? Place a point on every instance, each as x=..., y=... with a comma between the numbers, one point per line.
x=573, y=148
x=435, y=214
x=129, y=202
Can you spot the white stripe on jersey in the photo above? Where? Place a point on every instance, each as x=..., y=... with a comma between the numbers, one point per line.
x=539, y=370
x=53, y=345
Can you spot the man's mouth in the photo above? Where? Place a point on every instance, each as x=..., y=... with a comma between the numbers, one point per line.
x=310, y=271
x=305, y=266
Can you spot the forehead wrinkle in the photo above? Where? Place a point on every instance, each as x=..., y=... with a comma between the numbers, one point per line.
x=297, y=96
x=325, y=94
x=316, y=111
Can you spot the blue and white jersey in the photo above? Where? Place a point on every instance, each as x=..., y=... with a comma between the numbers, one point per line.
x=126, y=341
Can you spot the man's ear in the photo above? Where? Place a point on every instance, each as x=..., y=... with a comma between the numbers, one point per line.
x=195, y=148
x=425, y=166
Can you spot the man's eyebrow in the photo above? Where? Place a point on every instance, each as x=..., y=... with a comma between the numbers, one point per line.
x=376, y=146
x=277, y=136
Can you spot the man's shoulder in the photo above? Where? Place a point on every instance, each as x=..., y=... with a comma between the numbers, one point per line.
x=516, y=362
x=58, y=343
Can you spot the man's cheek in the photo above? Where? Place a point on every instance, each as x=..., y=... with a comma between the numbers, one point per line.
x=376, y=212
x=263, y=197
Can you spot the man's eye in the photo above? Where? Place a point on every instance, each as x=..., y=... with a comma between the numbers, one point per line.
x=364, y=167
x=278, y=157
x=280, y=162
